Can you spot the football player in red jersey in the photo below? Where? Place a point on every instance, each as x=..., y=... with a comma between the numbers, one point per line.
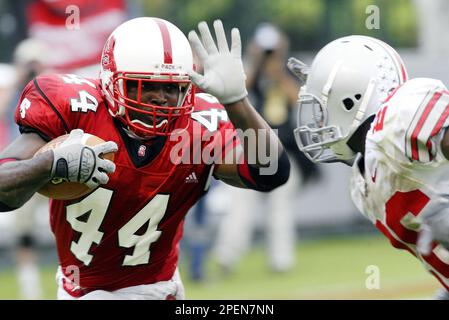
x=121, y=240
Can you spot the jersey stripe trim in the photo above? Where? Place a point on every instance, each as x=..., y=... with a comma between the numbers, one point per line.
x=428, y=120
x=66, y=128
x=415, y=152
x=437, y=128
x=433, y=125
x=166, y=40
x=440, y=122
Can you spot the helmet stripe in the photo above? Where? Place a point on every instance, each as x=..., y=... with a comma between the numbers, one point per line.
x=403, y=72
x=168, y=58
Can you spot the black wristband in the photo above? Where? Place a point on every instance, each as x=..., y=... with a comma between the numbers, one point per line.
x=265, y=183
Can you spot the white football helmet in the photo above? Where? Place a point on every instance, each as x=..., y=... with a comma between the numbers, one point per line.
x=348, y=81
x=147, y=50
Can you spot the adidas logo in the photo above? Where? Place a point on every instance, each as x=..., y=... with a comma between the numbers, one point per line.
x=191, y=178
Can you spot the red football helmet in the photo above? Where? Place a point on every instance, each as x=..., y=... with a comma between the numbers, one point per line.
x=146, y=50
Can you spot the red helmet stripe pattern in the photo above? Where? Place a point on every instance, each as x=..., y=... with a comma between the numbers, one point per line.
x=108, y=59
x=168, y=58
x=403, y=72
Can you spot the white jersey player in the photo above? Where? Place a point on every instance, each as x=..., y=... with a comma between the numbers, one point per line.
x=406, y=174
x=358, y=107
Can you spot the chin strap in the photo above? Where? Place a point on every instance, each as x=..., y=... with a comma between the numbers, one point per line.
x=359, y=117
x=330, y=81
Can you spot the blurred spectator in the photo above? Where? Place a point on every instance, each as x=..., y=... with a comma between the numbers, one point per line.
x=197, y=239
x=433, y=25
x=274, y=89
x=7, y=85
x=28, y=276
x=30, y=60
x=274, y=92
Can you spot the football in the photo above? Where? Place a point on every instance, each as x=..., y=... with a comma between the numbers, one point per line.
x=59, y=189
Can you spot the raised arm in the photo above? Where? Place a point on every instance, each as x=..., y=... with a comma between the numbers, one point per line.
x=224, y=78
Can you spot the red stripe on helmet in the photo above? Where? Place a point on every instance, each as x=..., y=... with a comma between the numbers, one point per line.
x=403, y=72
x=168, y=58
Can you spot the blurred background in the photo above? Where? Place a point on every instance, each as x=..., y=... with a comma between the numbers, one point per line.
x=303, y=241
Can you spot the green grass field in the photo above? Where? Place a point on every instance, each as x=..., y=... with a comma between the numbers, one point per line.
x=332, y=268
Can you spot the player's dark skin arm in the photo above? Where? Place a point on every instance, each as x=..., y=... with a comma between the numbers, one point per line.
x=19, y=180
x=244, y=116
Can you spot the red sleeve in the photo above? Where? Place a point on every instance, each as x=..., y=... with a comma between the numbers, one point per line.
x=36, y=112
x=45, y=104
x=218, y=133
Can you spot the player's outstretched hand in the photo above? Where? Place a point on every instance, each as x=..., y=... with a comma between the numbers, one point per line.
x=76, y=162
x=434, y=228
x=224, y=76
x=299, y=69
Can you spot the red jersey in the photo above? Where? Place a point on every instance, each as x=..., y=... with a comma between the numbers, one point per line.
x=126, y=232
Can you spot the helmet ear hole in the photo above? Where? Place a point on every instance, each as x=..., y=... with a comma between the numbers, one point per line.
x=348, y=103
x=358, y=96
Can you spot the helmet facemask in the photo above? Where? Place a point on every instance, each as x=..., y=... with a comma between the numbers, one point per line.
x=147, y=119
x=324, y=142
x=349, y=80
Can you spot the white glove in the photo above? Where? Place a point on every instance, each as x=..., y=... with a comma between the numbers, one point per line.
x=434, y=228
x=299, y=69
x=224, y=76
x=74, y=161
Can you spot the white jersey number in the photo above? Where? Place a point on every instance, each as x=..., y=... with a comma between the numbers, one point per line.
x=85, y=102
x=75, y=79
x=152, y=214
x=210, y=118
x=95, y=207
